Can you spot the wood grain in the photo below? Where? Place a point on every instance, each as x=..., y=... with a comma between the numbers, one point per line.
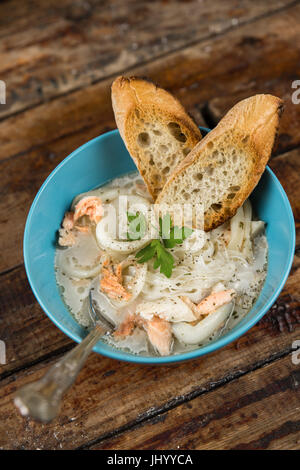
x=196, y=75
x=28, y=333
x=51, y=48
x=286, y=168
x=111, y=395
x=257, y=411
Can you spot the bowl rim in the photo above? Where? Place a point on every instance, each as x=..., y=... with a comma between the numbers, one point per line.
x=153, y=360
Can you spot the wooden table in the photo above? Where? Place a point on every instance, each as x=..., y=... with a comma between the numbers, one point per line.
x=58, y=59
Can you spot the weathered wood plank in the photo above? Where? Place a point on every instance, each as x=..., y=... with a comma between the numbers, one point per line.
x=109, y=395
x=286, y=168
x=27, y=332
x=196, y=75
x=258, y=411
x=50, y=48
x=21, y=178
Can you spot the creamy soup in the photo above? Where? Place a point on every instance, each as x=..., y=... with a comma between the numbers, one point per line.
x=162, y=297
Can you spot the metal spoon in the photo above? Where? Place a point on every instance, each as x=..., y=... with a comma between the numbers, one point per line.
x=41, y=400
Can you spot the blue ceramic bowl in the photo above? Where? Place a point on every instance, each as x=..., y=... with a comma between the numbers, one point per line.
x=97, y=162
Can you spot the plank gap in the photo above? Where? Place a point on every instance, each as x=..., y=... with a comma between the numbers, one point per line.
x=10, y=270
x=44, y=358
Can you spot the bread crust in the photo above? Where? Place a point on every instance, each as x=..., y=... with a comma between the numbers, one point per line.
x=133, y=98
x=250, y=126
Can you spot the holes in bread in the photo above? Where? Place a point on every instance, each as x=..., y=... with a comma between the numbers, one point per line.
x=171, y=159
x=245, y=139
x=186, y=151
x=216, y=207
x=234, y=188
x=231, y=195
x=143, y=139
x=198, y=176
x=163, y=148
x=137, y=113
x=166, y=170
x=209, y=170
x=151, y=161
x=210, y=145
x=156, y=132
x=176, y=132
x=185, y=195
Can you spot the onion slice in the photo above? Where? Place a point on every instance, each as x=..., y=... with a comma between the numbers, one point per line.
x=108, y=241
x=197, y=334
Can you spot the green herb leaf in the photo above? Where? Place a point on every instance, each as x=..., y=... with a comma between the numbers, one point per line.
x=177, y=236
x=156, y=263
x=165, y=225
x=146, y=253
x=137, y=226
x=156, y=249
x=162, y=258
x=166, y=261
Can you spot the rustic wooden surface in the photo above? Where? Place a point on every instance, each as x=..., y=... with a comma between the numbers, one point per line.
x=58, y=60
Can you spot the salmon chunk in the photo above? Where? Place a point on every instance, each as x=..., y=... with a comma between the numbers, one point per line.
x=126, y=327
x=111, y=282
x=160, y=335
x=215, y=301
x=68, y=230
x=210, y=303
x=90, y=206
x=158, y=331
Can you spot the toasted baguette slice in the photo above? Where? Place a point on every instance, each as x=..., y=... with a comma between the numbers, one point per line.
x=224, y=168
x=156, y=130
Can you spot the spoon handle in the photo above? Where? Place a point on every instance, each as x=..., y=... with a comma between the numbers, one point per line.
x=42, y=399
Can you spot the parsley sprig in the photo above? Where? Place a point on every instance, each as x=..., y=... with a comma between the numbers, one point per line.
x=137, y=226
x=169, y=236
